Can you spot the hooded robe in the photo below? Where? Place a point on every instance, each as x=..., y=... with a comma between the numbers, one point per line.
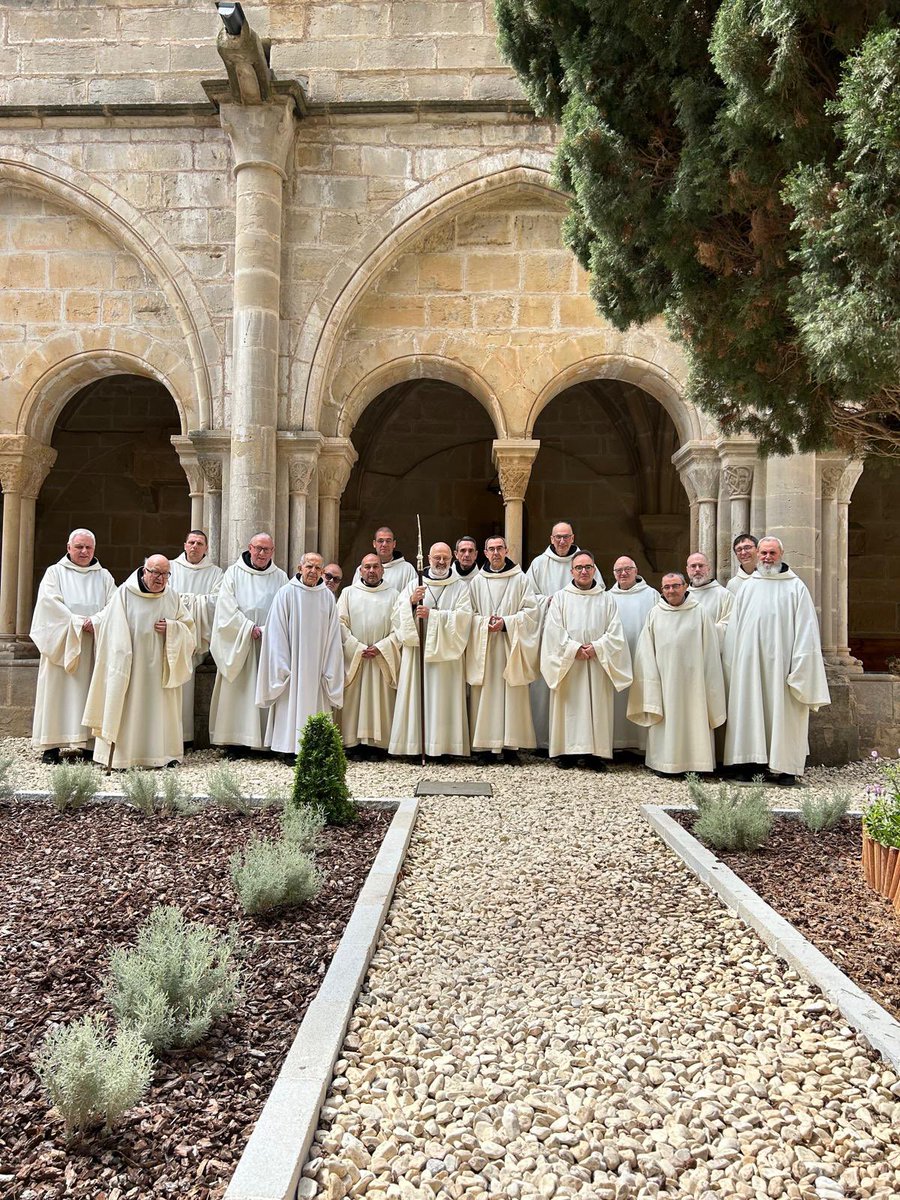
x=633, y=604
x=737, y=581
x=581, y=689
x=679, y=687
x=398, y=573
x=370, y=684
x=446, y=638
x=67, y=595
x=135, y=695
x=245, y=597
x=500, y=666
x=774, y=671
x=198, y=585
x=718, y=603
x=301, y=664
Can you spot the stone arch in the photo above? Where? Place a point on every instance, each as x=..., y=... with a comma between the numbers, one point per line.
x=129, y=228
x=415, y=366
x=64, y=365
x=658, y=381
x=387, y=238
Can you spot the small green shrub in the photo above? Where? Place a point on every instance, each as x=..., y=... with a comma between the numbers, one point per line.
x=92, y=1078
x=881, y=819
x=73, y=785
x=6, y=788
x=730, y=819
x=822, y=813
x=224, y=788
x=273, y=874
x=320, y=776
x=302, y=827
x=171, y=797
x=179, y=978
x=140, y=790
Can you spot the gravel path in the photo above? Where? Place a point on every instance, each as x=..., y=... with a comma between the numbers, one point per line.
x=557, y=1008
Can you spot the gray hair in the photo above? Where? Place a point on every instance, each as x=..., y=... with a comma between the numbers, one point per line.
x=82, y=533
x=770, y=537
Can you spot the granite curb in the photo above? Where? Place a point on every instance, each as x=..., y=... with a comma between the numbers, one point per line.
x=383, y=802
x=270, y=1167
x=875, y=1023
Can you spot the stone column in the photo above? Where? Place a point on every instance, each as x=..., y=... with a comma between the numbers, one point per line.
x=261, y=138
x=212, y=507
x=298, y=454
x=829, y=470
x=514, y=458
x=791, y=513
x=847, y=483
x=738, y=460
x=187, y=456
x=36, y=469
x=335, y=464
x=698, y=465
x=24, y=465
x=300, y=474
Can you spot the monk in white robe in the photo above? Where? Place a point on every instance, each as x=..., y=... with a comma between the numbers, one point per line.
x=679, y=687
x=634, y=598
x=465, y=558
x=197, y=581
x=144, y=656
x=371, y=657
x=245, y=597
x=503, y=655
x=716, y=600
x=548, y=574
x=64, y=627
x=398, y=573
x=301, y=667
x=774, y=668
x=584, y=659
x=442, y=603
x=745, y=551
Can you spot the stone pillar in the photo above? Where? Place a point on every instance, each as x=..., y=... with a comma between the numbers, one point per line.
x=24, y=465
x=698, y=465
x=261, y=138
x=514, y=458
x=212, y=507
x=298, y=454
x=187, y=456
x=829, y=469
x=847, y=483
x=738, y=464
x=791, y=513
x=335, y=464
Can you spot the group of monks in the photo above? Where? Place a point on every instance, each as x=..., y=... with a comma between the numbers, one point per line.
x=545, y=659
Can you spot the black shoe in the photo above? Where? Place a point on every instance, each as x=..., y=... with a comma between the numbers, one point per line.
x=173, y=762
x=50, y=756
x=596, y=764
x=782, y=780
x=565, y=762
x=234, y=752
x=511, y=757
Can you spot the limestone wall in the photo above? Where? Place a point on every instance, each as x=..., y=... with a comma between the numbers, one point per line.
x=874, y=565
x=158, y=51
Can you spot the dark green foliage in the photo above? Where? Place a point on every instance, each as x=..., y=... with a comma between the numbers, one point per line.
x=734, y=166
x=320, y=776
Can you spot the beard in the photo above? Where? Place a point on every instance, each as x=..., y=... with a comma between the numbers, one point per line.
x=699, y=580
x=436, y=574
x=769, y=570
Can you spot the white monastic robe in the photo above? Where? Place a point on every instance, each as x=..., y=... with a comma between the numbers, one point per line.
x=549, y=573
x=633, y=604
x=370, y=684
x=581, y=690
x=245, y=597
x=398, y=573
x=737, y=581
x=500, y=666
x=466, y=576
x=67, y=595
x=679, y=687
x=717, y=601
x=301, y=667
x=198, y=585
x=135, y=695
x=446, y=638
x=775, y=673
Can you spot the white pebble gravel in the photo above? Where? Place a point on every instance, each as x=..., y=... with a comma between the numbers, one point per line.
x=557, y=1008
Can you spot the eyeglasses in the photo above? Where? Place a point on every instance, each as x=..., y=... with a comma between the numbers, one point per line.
x=562, y=537
x=623, y=570
x=589, y=567
x=332, y=578
x=158, y=574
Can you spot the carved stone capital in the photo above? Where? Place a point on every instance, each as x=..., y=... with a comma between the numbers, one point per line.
x=738, y=482
x=335, y=464
x=261, y=135
x=831, y=479
x=698, y=465
x=212, y=472
x=514, y=458
x=24, y=465
x=848, y=481
x=300, y=474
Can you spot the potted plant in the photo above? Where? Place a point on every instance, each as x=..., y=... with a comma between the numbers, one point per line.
x=881, y=834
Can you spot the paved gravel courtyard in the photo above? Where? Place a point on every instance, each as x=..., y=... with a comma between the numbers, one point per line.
x=557, y=1008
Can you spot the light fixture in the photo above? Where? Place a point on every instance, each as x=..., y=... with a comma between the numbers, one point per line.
x=232, y=16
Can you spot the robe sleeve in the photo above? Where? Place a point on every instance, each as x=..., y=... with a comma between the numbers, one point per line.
x=713, y=675
x=275, y=653
x=405, y=626
x=202, y=608
x=333, y=661
x=806, y=678
x=55, y=629
x=388, y=658
x=726, y=607
x=112, y=673
x=476, y=651
x=645, y=706
x=447, y=630
x=178, y=661
x=352, y=646
x=612, y=650
x=558, y=650
x=523, y=628
x=231, y=636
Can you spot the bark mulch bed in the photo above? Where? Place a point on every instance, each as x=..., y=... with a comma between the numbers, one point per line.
x=815, y=881
x=73, y=887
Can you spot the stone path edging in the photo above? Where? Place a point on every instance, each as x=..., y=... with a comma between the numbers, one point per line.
x=875, y=1023
x=269, y=1168
x=255, y=801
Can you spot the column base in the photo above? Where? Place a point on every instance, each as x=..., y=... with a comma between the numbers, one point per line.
x=17, y=646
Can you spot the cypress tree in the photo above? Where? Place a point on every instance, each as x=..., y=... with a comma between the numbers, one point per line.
x=320, y=776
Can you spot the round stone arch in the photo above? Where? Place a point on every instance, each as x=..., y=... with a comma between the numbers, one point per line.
x=406, y=368
x=386, y=239
x=644, y=373
x=127, y=227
